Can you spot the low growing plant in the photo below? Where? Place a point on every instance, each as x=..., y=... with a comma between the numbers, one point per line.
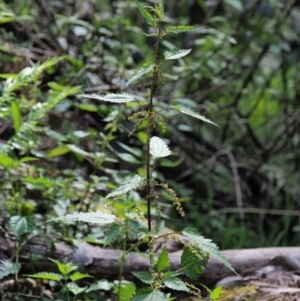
x=197, y=250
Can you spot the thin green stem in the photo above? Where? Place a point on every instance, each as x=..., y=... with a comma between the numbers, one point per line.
x=150, y=125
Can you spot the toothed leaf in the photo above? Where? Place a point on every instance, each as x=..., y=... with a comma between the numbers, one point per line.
x=206, y=245
x=144, y=276
x=118, y=98
x=8, y=267
x=129, y=183
x=192, y=263
x=188, y=111
x=75, y=289
x=47, y=276
x=98, y=217
x=77, y=276
x=146, y=15
x=163, y=261
x=175, y=54
x=149, y=294
x=139, y=73
x=158, y=148
x=175, y=284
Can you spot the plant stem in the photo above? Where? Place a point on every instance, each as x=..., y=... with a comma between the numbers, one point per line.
x=150, y=126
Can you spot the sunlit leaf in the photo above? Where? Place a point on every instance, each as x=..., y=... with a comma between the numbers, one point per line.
x=118, y=98
x=98, y=217
x=129, y=183
x=46, y=276
x=158, y=148
x=175, y=54
x=77, y=275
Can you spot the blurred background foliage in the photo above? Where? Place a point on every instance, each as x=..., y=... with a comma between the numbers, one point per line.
x=239, y=184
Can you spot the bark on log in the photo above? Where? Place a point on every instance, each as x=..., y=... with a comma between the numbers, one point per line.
x=104, y=263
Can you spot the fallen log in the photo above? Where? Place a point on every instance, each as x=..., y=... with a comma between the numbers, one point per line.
x=105, y=263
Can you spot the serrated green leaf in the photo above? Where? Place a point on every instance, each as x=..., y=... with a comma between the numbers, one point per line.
x=182, y=28
x=129, y=183
x=216, y=293
x=98, y=217
x=188, y=111
x=158, y=148
x=171, y=274
x=7, y=267
x=103, y=284
x=143, y=232
x=191, y=265
x=163, y=261
x=21, y=224
x=118, y=98
x=113, y=232
x=206, y=245
x=75, y=289
x=175, y=54
x=175, y=284
x=128, y=289
x=149, y=295
x=144, y=276
x=65, y=268
x=48, y=276
x=159, y=226
x=77, y=275
x=139, y=73
x=16, y=115
x=146, y=15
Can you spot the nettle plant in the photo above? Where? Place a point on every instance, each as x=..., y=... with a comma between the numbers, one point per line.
x=198, y=249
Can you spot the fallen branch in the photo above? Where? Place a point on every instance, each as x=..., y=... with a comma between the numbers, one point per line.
x=104, y=263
